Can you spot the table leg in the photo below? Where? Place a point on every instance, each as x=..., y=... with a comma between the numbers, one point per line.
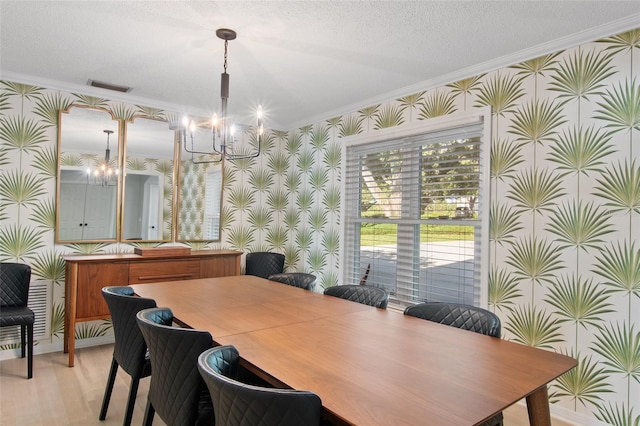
x=538, y=408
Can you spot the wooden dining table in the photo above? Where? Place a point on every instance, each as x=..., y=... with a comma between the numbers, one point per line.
x=369, y=366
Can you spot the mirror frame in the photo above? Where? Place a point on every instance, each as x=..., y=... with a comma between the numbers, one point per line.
x=59, y=167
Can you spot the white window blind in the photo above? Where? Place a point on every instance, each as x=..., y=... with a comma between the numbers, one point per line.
x=213, y=188
x=413, y=210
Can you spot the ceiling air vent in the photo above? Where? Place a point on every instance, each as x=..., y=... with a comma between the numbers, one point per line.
x=109, y=86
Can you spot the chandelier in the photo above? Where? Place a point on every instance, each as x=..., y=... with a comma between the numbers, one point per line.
x=104, y=175
x=223, y=130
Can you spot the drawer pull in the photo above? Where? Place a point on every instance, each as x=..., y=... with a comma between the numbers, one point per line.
x=160, y=277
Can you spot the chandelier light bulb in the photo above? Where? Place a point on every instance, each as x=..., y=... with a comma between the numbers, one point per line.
x=260, y=114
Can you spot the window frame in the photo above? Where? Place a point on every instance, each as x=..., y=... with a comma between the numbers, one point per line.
x=480, y=116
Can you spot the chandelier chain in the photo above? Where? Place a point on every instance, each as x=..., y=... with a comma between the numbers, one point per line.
x=226, y=43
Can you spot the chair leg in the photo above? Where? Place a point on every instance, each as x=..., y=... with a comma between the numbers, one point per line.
x=107, y=392
x=148, y=414
x=131, y=402
x=30, y=349
x=23, y=330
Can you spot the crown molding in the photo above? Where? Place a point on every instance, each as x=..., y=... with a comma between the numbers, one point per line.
x=111, y=95
x=573, y=40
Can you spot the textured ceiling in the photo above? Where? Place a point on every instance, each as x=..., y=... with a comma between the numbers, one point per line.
x=302, y=60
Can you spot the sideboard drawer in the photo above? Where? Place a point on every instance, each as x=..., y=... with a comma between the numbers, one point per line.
x=166, y=270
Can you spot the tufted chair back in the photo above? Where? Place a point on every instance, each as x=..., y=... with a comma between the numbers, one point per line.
x=296, y=279
x=15, y=279
x=458, y=315
x=367, y=295
x=176, y=392
x=263, y=263
x=130, y=350
x=236, y=403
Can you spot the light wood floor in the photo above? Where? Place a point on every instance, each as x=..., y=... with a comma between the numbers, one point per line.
x=59, y=395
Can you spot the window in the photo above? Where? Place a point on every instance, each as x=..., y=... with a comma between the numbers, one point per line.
x=213, y=188
x=415, y=211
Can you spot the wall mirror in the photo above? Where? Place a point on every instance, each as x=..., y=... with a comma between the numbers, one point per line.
x=200, y=191
x=88, y=175
x=118, y=181
x=147, y=210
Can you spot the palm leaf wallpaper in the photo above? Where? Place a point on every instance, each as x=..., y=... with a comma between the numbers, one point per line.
x=564, y=213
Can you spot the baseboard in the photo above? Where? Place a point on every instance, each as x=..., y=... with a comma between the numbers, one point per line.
x=573, y=418
x=559, y=415
x=43, y=347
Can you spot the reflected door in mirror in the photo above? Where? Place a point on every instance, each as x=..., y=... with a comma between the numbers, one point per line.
x=85, y=210
x=143, y=207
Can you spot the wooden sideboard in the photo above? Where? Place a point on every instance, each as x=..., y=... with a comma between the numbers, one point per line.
x=87, y=274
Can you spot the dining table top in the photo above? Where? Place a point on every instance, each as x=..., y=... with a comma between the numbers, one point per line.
x=369, y=366
x=239, y=304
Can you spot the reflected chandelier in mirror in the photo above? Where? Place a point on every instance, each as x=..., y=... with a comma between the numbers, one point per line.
x=105, y=173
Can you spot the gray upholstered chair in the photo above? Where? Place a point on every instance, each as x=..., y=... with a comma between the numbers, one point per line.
x=239, y=404
x=130, y=350
x=264, y=263
x=368, y=295
x=466, y=317
x=296, y=279
x=176, y=392
x=458, y=315
x=15, y=279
